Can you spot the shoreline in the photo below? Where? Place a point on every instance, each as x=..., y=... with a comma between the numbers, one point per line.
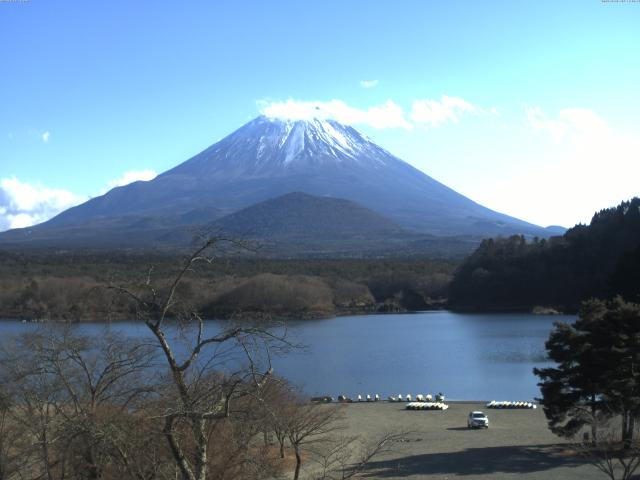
x=261, y=317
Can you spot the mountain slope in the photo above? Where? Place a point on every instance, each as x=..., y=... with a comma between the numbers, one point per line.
x=267, y=158
x=300, y=224
x=305, y=216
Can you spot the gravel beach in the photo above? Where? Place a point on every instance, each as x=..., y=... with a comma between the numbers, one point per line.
x=517, y=444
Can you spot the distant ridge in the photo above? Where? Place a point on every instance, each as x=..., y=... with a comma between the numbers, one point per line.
x=297, y=223
x=299, y=214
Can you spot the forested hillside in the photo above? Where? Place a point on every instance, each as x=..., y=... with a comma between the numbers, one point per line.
x=72, y=286
x=601, y=259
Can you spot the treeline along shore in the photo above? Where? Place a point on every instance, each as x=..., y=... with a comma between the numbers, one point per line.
x=76, y=286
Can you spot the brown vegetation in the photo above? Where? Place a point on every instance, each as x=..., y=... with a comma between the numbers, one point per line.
x=74, y=407
x=186, y=402
x=69, y=287
x=276, y=294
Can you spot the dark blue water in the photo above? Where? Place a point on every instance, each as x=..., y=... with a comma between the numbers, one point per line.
x=466, y=356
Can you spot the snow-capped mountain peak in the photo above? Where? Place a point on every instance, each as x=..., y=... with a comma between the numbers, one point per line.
x=316, y=135
x=266, y=145
x=299, y=142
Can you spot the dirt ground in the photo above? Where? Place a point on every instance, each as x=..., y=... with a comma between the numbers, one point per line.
x=517, y=445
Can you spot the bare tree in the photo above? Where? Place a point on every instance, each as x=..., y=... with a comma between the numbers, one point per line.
x=277, y=400
x=615, y=458
x=309, y=425
x=313, y=432
x=347, y=457
x=205, y=374
x=36, y=398
x=34, y=402
x=12, y=439
x=71, y=394
x=102, y=379
x=138, y=450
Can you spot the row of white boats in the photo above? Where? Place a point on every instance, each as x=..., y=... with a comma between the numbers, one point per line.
x=426, y=406
x=422, y=402
x=376, y=398
x=419, y=398
x=507, y=404
x=359, y=398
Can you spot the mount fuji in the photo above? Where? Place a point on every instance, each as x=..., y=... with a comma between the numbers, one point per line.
x=265, y=159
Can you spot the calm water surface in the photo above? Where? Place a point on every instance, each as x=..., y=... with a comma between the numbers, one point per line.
x=466, y=356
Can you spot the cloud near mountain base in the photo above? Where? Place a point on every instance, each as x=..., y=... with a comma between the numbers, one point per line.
x=130, y=177
x=23, y=204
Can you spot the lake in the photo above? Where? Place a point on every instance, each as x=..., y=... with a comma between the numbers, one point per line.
x=466, y=356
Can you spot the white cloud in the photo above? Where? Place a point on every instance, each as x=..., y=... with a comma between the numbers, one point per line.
x=45, y=137
x=588, y=165
x=387, y=115
x=23, y=204
x=569, y=123
x=572, y=125
x=368, y=83
x=447, y=110
x=22, y=220
x=130, y=177
x=556, y=128
x=424, y=112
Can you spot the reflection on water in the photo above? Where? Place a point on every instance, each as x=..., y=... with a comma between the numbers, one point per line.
x=467, y=356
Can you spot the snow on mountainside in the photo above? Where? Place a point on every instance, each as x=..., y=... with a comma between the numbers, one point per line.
x=323, y=139
x=271, y=147
x=268, y=158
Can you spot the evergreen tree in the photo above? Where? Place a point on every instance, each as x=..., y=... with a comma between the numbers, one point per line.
x=572, y=391
x=618, y=338
x=598, y=369
x=598, y=260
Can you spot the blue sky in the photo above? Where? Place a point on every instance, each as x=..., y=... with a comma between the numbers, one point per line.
x=530, y=108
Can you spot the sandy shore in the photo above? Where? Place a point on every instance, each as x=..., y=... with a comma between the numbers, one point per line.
x=518, y=444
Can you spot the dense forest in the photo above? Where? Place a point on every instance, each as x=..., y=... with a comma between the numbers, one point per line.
x=74, y=287
x=601, y=259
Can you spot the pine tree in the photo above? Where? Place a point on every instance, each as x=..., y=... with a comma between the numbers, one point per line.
x=598, y=369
